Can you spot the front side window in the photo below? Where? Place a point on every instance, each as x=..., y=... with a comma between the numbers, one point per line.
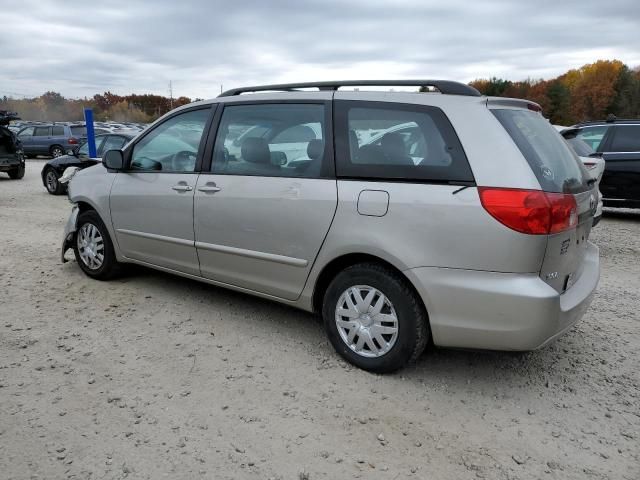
x=41, y=132
x=173, y=145
x=275, y=140
x=593, y=135
x=626, y=139
x=394, y=141
x=26, y=132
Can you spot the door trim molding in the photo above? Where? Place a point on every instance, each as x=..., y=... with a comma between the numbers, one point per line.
x=269, y=257
x=153, y=236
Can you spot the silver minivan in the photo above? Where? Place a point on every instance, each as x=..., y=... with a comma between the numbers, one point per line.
x=403, y=218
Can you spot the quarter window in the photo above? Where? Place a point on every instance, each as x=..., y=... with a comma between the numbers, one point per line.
x=392, y=141
x=626, y=139
x=272, y=140
x=173, y=145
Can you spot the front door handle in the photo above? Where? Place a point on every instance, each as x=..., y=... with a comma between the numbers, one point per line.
x=209, y=187
x=182, y=188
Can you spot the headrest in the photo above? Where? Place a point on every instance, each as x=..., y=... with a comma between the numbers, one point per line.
x=392, y=142
x=256, y=150
x=315, y=149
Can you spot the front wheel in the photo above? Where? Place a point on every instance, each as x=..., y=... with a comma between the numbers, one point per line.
x=93, y=248
x=374, y=319
x=51, y=182
x=17, y=174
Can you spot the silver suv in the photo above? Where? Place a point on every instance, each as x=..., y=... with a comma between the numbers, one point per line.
x=404, y=218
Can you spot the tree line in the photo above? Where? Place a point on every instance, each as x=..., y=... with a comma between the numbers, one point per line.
x=51, y=106
x=591, y=92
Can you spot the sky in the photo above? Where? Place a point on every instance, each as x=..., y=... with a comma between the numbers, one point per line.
x=200, y=46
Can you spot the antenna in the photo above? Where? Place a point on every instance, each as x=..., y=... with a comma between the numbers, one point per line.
x=170, y=95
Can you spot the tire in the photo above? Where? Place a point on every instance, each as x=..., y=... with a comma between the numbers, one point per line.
x=108, y=267
x=51, y=182
x=17, y=174
x=56, y=151
x=393, y=293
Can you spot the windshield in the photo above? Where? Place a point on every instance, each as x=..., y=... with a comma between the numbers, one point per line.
x=555, y=165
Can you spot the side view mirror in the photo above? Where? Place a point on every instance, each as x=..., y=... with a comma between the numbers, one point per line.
x=113, y=160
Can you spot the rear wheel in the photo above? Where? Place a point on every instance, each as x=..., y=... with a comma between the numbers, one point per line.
x=16, y=174
x=51, y=182
x=374, y=319
x=56, y=151
x=93, y=248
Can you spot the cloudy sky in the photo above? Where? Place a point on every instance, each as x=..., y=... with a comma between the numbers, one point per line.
x=130, y=46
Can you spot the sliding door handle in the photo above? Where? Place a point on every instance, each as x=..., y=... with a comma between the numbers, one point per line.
x=209, y=187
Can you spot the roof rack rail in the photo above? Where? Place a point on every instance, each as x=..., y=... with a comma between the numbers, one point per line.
x=447, y=87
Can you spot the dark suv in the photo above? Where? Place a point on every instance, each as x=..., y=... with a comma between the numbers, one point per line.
x=619, y=143
x=11, y=157
x=52, y=140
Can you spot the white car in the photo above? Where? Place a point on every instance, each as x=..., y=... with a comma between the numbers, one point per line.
x=593, y=162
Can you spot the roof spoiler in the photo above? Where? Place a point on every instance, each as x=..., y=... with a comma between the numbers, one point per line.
x=447, y=87
x=513, y=102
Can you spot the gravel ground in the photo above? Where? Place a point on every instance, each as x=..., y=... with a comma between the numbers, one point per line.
x=154, y=376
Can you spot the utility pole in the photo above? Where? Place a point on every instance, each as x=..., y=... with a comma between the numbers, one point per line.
x=170, y=95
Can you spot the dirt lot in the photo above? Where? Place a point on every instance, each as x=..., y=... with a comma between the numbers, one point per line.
x=153, y=376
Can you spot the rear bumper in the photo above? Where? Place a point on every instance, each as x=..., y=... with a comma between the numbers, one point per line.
x=8, y=163
x=501, y=311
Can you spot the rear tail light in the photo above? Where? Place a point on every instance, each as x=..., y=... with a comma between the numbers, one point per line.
x=589, y=165
x=530, y=211
x=72, y=141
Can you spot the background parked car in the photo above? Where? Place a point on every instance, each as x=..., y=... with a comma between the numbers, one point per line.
x=619, y=143
x=53, y=140
x=11, y=157
x=79, y=157
x=593, y=162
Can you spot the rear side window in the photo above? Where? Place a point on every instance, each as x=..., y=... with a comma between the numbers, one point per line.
x=380, y=140
x=626, y=139
x=58, y=131
x=276, y=140
x=554, y=164
x=80, y=131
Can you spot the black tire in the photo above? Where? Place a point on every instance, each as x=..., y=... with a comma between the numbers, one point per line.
x=110, y=267
x=412, y=321
x=56, y=151
x=17, y=174
x=53, y=186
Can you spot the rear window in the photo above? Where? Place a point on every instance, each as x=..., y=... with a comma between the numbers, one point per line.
x=579, y=146
x=380, y=140
x=554, y=164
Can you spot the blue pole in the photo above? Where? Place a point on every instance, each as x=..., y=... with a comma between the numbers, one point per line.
x=91, y=134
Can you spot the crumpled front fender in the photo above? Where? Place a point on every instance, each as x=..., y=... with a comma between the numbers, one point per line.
x=69, y=230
